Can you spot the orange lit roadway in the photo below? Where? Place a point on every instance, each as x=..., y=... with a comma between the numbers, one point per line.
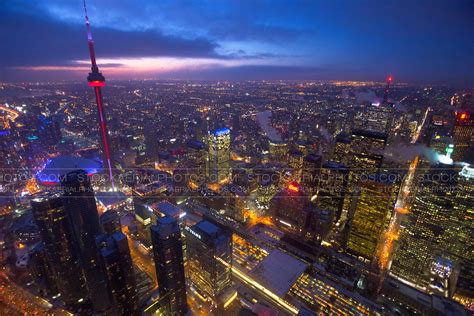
x=143, y=261
x=25, y=302
x=401, y=209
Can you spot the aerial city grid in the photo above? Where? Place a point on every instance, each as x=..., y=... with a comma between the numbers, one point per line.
x=237, y=157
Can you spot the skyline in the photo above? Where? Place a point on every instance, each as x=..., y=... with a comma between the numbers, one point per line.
x=230, y=41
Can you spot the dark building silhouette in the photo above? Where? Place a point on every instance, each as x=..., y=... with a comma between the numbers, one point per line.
x=79, y=203
x=289, y=209
x=118, y=266
x=61, y=249
x=169, y=263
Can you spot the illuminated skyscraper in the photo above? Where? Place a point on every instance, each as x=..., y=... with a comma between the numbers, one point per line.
x=342, y=149
x=195, y=162
x=169, y=264
x=219, y=156
x=463, y=133
x=295, y=162
x=367, y=148
x=277, y=151
x=376, y=118
x=208, y=246
x=463, y=236
x=373, y=209
x=61, y=249
x=425, y=230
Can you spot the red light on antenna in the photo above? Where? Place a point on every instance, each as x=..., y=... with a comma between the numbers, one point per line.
x=390, y=78
x=97, y=83
x=293, y=187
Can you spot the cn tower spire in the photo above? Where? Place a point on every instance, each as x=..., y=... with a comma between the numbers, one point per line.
x=90, y=41
x=97, y=80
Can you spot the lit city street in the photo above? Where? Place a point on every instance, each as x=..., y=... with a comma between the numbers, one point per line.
x=237, y=158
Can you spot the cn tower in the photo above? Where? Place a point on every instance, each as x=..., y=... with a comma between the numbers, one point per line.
x=97, y=81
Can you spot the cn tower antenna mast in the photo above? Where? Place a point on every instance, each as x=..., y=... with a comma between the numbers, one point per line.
x=97, y=80
x=387, y=87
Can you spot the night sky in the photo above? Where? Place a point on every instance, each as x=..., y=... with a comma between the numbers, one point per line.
x=416, y=41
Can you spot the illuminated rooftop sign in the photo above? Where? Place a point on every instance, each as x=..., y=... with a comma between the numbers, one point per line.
x=198, y=236
x=221, y=131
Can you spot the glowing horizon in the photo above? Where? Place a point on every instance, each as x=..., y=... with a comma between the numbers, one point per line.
x=143, y=65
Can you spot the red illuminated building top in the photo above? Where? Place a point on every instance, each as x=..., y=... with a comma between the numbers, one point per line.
x=293, y=187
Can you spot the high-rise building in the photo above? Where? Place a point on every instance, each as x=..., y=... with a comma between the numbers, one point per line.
x=195, y=162
x=277, y=150
x=118, y=267
x=310, y=174
x=333, y=188
x=235, y=201
x=342, y=149
x=367, y=149
x=41, y=270
x=209, y=253
x=110, y=222
x=219, y=156
x=289, y=209
x=377, y=117
x=319, y=224
x=462, y=235
x=144, y=196
x=373, y=209
x=463, y=133
x=424, y=232
x=80, y=204
x=61, y=249
x=295, y=162
x=152, y=147
x=169, y=263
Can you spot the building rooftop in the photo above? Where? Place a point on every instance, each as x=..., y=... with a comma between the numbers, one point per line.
x=195, y=144
x=334, y=165
x=221, y=131
x=167, y=209
x=278, y=272
x=110, y=198
x=443, y=305
x=372, y=134
x=208, y=227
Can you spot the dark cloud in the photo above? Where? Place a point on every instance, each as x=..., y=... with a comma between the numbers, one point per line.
x=425, y=41
x=34, y=40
